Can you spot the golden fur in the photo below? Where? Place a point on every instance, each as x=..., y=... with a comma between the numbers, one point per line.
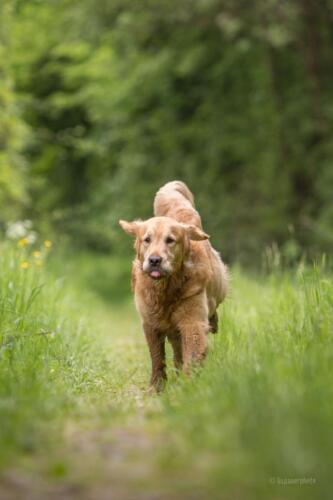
x=178, y=279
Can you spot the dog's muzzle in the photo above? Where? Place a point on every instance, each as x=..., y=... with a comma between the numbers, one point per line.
x=154, y=267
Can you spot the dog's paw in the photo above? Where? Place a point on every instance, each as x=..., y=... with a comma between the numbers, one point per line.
x=156, y=388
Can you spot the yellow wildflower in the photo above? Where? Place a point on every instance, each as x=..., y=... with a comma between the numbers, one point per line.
x=39, y=263
x=47, y=243
x=37, y=254
x=23, y=242
x=24, y=265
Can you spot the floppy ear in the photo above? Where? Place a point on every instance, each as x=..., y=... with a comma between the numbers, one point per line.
x=195, y=233
x=130, y=227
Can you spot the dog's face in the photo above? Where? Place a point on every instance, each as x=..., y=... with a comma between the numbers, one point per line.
x=162, y=243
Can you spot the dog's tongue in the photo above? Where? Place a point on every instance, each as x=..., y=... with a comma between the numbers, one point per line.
x=155, y=274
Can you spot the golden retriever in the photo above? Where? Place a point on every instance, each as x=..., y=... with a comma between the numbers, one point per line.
x=178, y=280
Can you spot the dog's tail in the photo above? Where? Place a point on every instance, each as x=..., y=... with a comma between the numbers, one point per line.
x=181, y=188
x=175, y=200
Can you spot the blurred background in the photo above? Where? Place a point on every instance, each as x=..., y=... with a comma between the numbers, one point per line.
x=102, y=102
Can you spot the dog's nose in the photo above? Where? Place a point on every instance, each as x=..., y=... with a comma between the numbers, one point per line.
x=155, y=260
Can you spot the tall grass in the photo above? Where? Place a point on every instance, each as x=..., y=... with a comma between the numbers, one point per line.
x=47, y=357
x=258, y=414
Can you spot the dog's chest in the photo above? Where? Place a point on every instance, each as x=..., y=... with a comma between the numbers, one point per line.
x=157, y=307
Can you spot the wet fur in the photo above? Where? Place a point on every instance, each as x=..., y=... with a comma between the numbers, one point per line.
x=182, y=305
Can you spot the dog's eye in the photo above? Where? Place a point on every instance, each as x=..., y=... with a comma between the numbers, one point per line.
x=169, y=240
x=147, y=239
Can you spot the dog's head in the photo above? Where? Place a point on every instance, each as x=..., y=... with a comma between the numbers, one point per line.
x=162, y=243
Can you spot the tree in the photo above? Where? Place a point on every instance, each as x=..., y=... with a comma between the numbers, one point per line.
x=13, y=131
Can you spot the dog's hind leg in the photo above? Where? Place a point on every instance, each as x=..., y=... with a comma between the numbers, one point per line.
x=176, y=343
x=214, y=323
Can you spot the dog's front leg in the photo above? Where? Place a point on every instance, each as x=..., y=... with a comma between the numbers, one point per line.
x=156, y=344
x=194, y=343
x=192, y=321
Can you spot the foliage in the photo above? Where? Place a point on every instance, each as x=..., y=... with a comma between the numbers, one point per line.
x=235, y=98
x=13, y=130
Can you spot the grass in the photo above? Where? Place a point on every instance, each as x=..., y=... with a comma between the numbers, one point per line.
x=74, y=367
